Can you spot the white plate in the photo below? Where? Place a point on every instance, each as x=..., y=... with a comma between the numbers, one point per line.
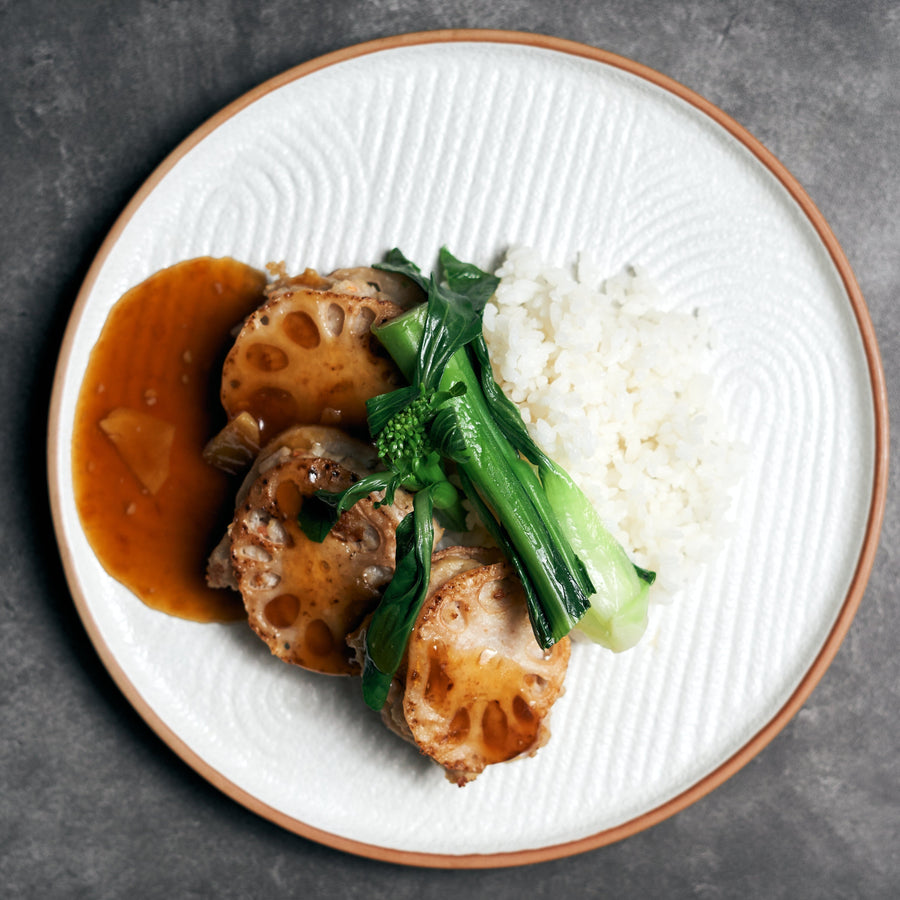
x=479, y=141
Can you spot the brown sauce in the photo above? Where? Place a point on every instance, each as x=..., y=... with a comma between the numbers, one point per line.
x=150, y=506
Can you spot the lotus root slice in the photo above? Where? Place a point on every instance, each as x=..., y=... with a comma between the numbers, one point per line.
x=302, y=597
x=307, y=355
x=478, y=687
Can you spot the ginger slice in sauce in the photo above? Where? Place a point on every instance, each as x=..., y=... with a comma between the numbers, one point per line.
x=144, y=442
x=159, y=354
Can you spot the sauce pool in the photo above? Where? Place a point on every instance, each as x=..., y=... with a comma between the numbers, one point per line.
x=151, y=507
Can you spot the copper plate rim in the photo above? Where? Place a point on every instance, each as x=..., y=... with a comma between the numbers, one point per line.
x=835, y=636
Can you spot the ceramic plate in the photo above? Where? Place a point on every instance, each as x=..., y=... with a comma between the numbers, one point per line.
x=481, y=141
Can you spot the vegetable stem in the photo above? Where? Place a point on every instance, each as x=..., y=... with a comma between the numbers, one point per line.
x=507, y=485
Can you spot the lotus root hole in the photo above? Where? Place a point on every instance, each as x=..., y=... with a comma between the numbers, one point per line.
x=277, y=535
x=318, y=638
x=521, y=710
x=537, y=683
x=371, y=539
x=361, y=323
x=288, y=499
x=264, y=581
x=334, y=319
x=257, y=521
x=266, y=358
x=439, y=683
x=453, y=616
x=254, y=552
x=283, y=610
x=496, y=596
x=494, y=727
x=301, y=329
x=458, y=730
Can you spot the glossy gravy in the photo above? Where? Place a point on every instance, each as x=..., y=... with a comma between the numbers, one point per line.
x=150, y=506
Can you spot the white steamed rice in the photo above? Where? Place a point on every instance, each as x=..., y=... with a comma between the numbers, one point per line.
x=616, y=391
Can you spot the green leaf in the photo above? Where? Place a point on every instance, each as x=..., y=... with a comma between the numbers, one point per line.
x=452, y=320
x=375, y=685
x=392, y=622
x=395, y=261
x=455, y=309
x=319, y=512
x=453, y=312
x=467, y=279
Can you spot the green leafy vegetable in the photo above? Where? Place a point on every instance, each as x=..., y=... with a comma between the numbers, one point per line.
x=393, y=620
x=617, y=617
x=453, y=412
x=505, y=488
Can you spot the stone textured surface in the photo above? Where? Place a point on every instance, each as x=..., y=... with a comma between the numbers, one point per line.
x=92, y=804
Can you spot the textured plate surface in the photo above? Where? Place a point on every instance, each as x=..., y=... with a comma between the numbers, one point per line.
x=482, y=144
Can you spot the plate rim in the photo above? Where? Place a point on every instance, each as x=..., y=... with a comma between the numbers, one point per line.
x=865, y=560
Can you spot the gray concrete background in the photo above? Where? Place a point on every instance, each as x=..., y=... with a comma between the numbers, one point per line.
x=93, y=96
